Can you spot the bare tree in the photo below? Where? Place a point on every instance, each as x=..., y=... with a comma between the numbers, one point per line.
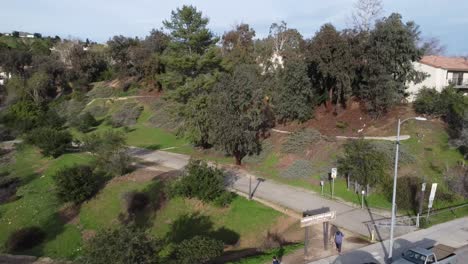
x=365, y=13
x=432, y=46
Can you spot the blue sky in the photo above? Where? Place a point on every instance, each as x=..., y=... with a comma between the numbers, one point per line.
x=101, y=19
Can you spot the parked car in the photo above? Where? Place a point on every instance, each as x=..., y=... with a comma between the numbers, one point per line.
x=440, y=254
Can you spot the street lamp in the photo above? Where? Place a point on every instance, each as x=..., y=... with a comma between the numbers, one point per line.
x=395, y=181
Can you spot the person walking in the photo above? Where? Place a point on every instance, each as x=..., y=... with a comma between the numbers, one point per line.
x=275, y=260
x=339, y=240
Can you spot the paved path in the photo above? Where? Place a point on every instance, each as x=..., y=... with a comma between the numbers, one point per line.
x=391, y=138
x=453, y=233
x=297, y=199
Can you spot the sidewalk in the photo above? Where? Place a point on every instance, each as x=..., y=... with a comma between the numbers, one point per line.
x=453, y=233
x=294, y=198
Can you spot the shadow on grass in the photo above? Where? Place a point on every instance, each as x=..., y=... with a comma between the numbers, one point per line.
x=190, y=225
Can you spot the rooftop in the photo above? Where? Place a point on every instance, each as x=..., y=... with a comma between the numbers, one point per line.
x=448, y=63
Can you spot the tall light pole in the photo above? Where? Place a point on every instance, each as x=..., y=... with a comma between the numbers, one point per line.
x=390, y=254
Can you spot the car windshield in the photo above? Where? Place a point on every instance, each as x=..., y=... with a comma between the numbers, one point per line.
x=414, y=257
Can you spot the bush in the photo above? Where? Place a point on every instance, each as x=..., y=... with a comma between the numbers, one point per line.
x=200, y=181
x=366, y=164
x=164, y=116
x=127, y=115
x=25, y=238
x=225, y=199
x=125, y=244
x=267, y=148
x=428, y=101
x=299, y=141
x=408, y=192
x=299, y=169
x=457, y=180
x=388, y=149
x=198, y=249
x=110, y=151
x=85, y=122
x=98, y=110
x=51, y=141
x=23, y=116
x=76, y=184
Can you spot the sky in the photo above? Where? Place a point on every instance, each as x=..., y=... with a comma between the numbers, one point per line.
x=99, y=20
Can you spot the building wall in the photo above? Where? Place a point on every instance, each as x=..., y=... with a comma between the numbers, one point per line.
x=437, y=79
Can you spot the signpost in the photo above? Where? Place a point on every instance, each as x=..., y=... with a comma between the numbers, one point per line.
x=321, y=185
x=421, y=201
x=324, y=218
x=431, y=199
x=334, y=171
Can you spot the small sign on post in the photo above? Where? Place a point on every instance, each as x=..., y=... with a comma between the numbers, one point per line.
x=317, y=219
x=333, y=173
x=321, y=185
x=431, y=199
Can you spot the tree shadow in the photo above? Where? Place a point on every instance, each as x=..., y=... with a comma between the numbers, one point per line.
x=154, y=147
x=190, y=225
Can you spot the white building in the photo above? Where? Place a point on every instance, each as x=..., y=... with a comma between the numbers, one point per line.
x=442, y=72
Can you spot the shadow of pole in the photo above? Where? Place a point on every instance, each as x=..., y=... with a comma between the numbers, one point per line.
x=259, y=180
x=373, y=226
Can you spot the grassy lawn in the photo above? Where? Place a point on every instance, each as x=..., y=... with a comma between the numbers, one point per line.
x=38, y=204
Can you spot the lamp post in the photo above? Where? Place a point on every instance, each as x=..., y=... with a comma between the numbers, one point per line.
x=362, y=198
x=390, y=254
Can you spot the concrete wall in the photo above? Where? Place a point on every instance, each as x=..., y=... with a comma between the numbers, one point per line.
x=437, y=79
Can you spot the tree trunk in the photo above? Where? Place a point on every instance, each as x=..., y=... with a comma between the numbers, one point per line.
x=238, y=156
x=330, y=100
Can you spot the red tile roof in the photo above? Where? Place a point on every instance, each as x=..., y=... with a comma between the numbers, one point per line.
x=448, y=63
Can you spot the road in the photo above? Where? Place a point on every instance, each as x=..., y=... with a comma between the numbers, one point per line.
x=297, y=199
x=453, y=233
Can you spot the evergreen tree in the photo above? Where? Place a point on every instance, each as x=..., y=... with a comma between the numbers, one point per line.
x=330, y=66
x=293, y=95
x=238, y=113
x=192, y=64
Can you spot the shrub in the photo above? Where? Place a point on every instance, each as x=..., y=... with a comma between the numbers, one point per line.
x=363, y=161
x=24, y=238
x=51, y=141
x=125, y=244
x=457, y=180
x=267, y=148
x=23, y=116
x=198, y=249
x=200, y=181
x=341, y=124
x=164, y=116
x=76, y=184
x=127, y=115
x=85, y=122
x=299, y=169
x=408, y=192
x=299, y=141
x=70, y=109
x=98, y=110
x=225, y=199
x=388, y=149
x=110, y=151
x=428, y=101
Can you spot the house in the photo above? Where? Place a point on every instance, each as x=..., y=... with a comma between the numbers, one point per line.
x=442, y=71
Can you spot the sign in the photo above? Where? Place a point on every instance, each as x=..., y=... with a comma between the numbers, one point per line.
x=423, y=188
x=317, y=219
x=432, y=195
x=321, y=183
x=334, y=171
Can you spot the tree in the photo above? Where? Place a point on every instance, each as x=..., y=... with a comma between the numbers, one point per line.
x=76, y=184
x=330, y=65
x=365, y=13
x=390, y=55
x=192, y=62
x=293, y=97
x=242, y=103
x=198, y=249
x=110, y=151
x=52, y=141
x=119, y=50
x=200, y=181
x=432, y=46
x=363, y=162
x=37, y=86
x=238, y=46
x=15, y=34
x=284, y=39
x=121, y=245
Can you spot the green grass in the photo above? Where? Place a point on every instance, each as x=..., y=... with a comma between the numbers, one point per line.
x=246, y=218
x=267, y=256
x=38, y=204
x=104, y=209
